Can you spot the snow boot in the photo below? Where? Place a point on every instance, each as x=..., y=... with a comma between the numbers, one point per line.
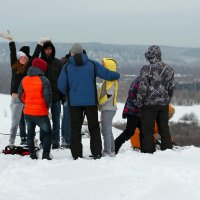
x=55, y=146
x=23, y=141
x=97, y=157
x=46, y=156
x=34, y=156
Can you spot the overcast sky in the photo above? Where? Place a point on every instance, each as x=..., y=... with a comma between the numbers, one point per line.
x=166, y=22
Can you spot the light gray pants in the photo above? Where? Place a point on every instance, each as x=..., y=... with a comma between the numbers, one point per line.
x=106, y=124
x=16, y=111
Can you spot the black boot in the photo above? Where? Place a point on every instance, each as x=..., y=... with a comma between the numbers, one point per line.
x=76, y=158
x=97, y=157
x=23, y=141
x=46, y=156
x=34, y=156
x=55, y=146
x=119, y=141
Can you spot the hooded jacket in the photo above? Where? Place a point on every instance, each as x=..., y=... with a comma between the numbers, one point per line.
x=35, y=93
x=53, y=70
x=107, y=95
x=157, y=87
x=78, y=80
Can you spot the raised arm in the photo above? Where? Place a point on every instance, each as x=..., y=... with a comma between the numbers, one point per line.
x=8, y=36
x=13, y=55
x=39, y=48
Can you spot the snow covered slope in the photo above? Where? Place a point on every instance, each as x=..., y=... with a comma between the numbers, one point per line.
x=168, y=175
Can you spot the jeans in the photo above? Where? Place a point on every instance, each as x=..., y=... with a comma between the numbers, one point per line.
x=55, y=111
x=66, y=125
x=44, y=123
x=16, y=111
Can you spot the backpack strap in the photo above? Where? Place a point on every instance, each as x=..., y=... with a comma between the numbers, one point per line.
x=95, y=84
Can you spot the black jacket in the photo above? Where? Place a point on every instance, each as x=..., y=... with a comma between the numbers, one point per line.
x=16, y=78
x=53, y=70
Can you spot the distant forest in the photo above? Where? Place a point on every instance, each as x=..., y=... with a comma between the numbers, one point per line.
x=187, y=87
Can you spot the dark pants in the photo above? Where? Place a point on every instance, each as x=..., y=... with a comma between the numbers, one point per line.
x=55, y=112
x=150, y=114
x=76, y=114
x=44, y=123
x=22, y=127
x=132, y=123
x=66, y=125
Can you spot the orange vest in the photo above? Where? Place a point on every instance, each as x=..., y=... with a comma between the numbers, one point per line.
x=33, y=96
x=135, y=139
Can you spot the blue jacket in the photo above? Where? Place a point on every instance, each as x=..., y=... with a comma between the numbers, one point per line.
x=77, y=80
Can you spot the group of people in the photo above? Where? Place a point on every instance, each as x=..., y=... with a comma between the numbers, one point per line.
x=40, y=84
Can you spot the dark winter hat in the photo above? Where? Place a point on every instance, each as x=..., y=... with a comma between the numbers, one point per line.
x=45, y=46
x=153, y=53
x=48, y=44
x=39, y=63
x=76, y=49
x=26, y=50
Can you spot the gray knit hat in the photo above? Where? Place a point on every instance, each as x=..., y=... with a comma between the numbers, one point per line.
x=76, y=49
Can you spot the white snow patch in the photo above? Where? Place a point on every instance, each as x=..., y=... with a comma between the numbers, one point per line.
x=130, y=175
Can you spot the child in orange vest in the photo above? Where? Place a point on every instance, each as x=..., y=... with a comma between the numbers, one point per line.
x=35, y=93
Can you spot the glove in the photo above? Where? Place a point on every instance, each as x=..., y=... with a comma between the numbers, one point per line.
x=43, y=39
x=7, y=36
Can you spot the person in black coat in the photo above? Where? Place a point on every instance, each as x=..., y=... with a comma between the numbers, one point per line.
x=53, y=71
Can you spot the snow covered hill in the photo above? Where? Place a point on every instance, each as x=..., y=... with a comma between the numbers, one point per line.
x=168, y=175
x=132, y=54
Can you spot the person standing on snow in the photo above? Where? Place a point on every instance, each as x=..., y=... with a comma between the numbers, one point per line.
x=53, y=71
x=20, y=63
x=78, y=81
x=107, y=99
x=35, y=93
x=154, y=97
x=66, y=122
x=132, y=113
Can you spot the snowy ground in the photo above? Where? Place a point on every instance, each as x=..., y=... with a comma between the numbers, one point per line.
x=130, y=175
